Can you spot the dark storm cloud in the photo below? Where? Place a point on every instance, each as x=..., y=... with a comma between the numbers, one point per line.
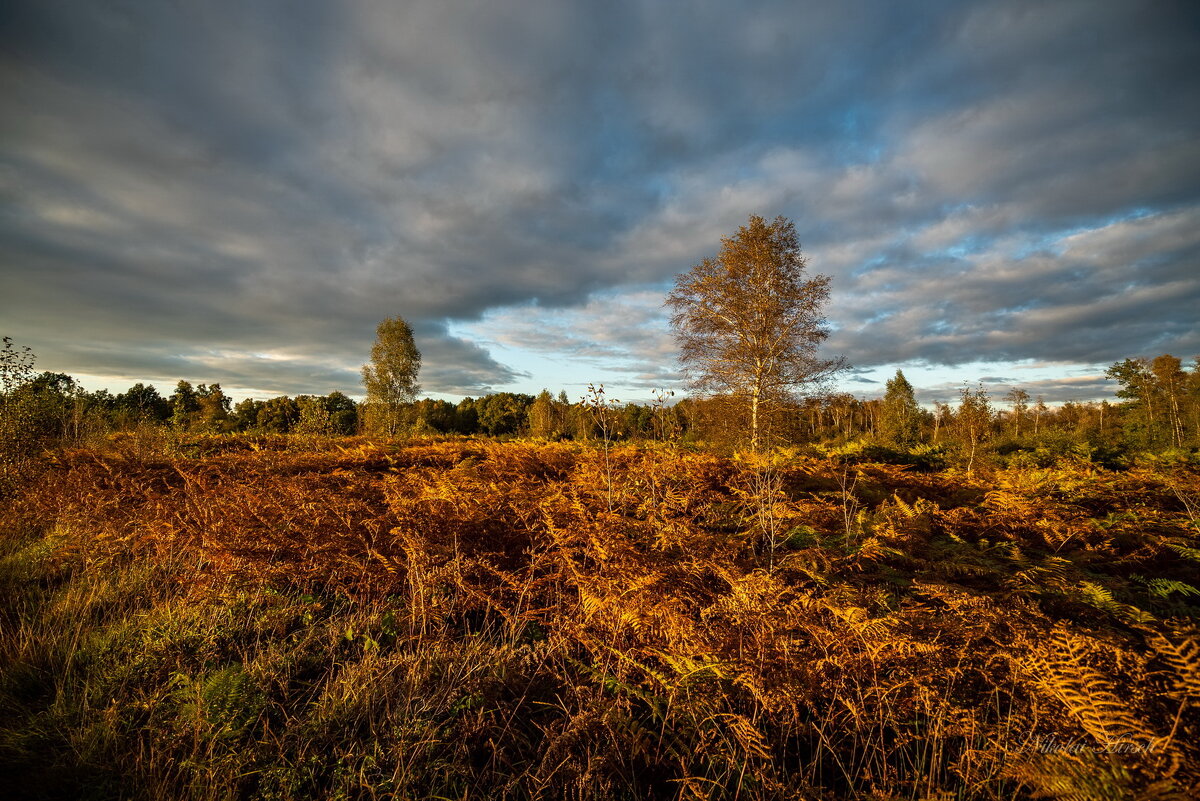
x=456, y=366
x=243, y=190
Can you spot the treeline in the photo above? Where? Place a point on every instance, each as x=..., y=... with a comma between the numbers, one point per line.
x=56, y=406
x=1156, y=407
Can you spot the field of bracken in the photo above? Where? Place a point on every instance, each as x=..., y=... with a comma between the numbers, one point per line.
x=476, y=619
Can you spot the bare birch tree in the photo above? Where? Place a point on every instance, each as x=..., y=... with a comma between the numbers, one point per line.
x=749, y=321
x=973, y=421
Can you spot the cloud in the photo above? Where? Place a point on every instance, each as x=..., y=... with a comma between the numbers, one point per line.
x=616, y=332
x=1053, y=391
x=455, y=366
x=187, y=186
x=1062, y=302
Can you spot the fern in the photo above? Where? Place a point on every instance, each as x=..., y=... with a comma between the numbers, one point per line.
x=1102, y=598
x=1187, y=553
x=649, y=648
x=1184, y=659
x=1074, y=777
x=1087, y=694
x=1164, y=588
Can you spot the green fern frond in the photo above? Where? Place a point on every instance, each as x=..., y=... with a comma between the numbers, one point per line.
x=1102, y=598
x=1163, y=588
x=1184, y=551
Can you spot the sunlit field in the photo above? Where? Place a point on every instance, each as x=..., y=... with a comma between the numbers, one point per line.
x=245, y=617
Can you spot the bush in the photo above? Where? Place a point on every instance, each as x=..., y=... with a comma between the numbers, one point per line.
x=926, y=458
x=18, y=429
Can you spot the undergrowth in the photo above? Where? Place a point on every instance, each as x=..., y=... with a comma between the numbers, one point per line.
x=471, y=619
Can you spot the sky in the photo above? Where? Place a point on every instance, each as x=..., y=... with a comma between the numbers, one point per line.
x=239, y=192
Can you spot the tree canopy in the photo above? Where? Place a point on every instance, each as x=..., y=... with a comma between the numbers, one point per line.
x=391, y=377
x=901, y=418
x=749, y=321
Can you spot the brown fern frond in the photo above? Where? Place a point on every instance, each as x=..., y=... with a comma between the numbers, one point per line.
x=1086, y=692
x=1073, y=776
x=1184, y=659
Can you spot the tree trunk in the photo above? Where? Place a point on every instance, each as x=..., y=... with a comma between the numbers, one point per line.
x=754, y=420
x=1176, y=425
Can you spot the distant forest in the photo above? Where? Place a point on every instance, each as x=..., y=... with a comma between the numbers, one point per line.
x=1156, y=407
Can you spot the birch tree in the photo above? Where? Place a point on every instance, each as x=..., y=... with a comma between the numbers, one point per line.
x=1018, y=399
x=749, y=321
x=391, y=377
x=973, y=421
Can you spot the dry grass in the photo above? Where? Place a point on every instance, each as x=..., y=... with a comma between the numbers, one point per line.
x=475, y=619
